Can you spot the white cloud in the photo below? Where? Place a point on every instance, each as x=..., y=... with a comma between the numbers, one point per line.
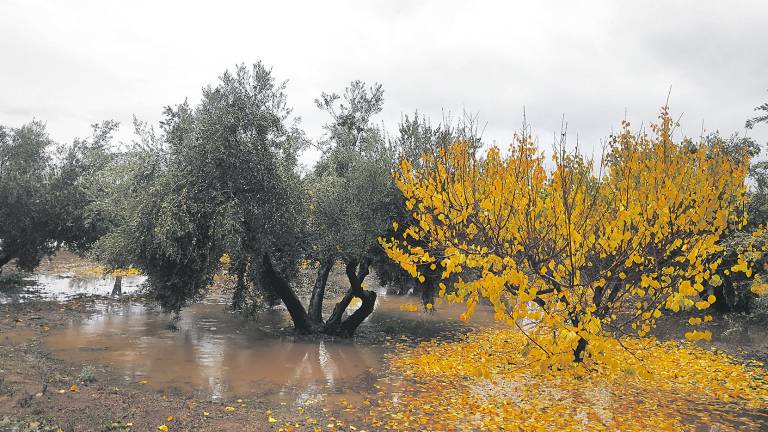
x=75, y=63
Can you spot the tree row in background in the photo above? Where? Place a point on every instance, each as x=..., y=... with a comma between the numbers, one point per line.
x=221, y=178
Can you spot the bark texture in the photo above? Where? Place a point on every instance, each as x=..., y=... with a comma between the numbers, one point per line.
x=117, y=288
x=4, y=259
x=318, y=291
x=284, y=291
x=311, y=321
x=346, y=328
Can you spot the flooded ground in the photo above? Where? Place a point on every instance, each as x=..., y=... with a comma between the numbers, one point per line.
x=212, y=359
x=65, y=287
x=145, y=370
x=216, y=354
x=62, y=277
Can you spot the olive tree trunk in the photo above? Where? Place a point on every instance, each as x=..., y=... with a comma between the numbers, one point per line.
x=117, y=288
x=238, y=297
x=286, y=294
x=318, y=291
x=4, y=259
x=312, y=322
x=346, y=328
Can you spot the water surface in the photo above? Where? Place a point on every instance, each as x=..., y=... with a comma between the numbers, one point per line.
x=62, y=288
x=217, y=354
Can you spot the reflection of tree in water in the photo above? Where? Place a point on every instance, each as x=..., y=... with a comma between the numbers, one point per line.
x=221, y=355
x=297, y=367
x=60, y=288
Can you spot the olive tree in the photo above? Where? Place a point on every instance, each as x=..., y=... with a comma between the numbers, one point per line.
x=74, y=189
x=27, y=219
x=351, y=200
x=219, y=177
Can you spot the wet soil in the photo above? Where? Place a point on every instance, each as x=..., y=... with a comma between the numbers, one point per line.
x=132, y=369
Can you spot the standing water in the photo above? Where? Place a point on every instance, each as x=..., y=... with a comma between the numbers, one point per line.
x=62, y=288
x=218, y=354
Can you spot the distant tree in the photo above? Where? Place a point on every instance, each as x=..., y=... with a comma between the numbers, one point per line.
x=733, y=290
x=760, y=118
x=117, y=194
x=74, y=188
x=46, y=192
x=416, y=140
x=27, y=219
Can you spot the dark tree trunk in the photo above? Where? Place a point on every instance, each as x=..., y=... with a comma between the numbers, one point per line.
x=283, y=290
x=117, y=288
x=732, y=295
x=428, y=292
x=238, y=297
x=578, y=353
x=318, y=291
x=350, y=324
x=335, y=325
x=4, y=259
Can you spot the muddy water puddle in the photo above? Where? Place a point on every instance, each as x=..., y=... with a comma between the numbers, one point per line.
x=16, y=337
x=217, y=354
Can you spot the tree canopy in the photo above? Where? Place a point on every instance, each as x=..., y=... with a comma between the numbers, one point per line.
x=27, y=212
x=582, y=252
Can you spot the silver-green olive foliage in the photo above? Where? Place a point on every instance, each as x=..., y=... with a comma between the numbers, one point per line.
x=27, y=219
x=45, y=192
x=223, y=180
x=351, y=190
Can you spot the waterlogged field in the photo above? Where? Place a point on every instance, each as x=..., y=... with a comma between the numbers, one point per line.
x=93, y=363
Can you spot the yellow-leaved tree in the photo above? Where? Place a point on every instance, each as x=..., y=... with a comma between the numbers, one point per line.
x=578, y=253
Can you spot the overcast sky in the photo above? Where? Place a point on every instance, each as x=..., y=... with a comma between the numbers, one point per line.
x=72, y=63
